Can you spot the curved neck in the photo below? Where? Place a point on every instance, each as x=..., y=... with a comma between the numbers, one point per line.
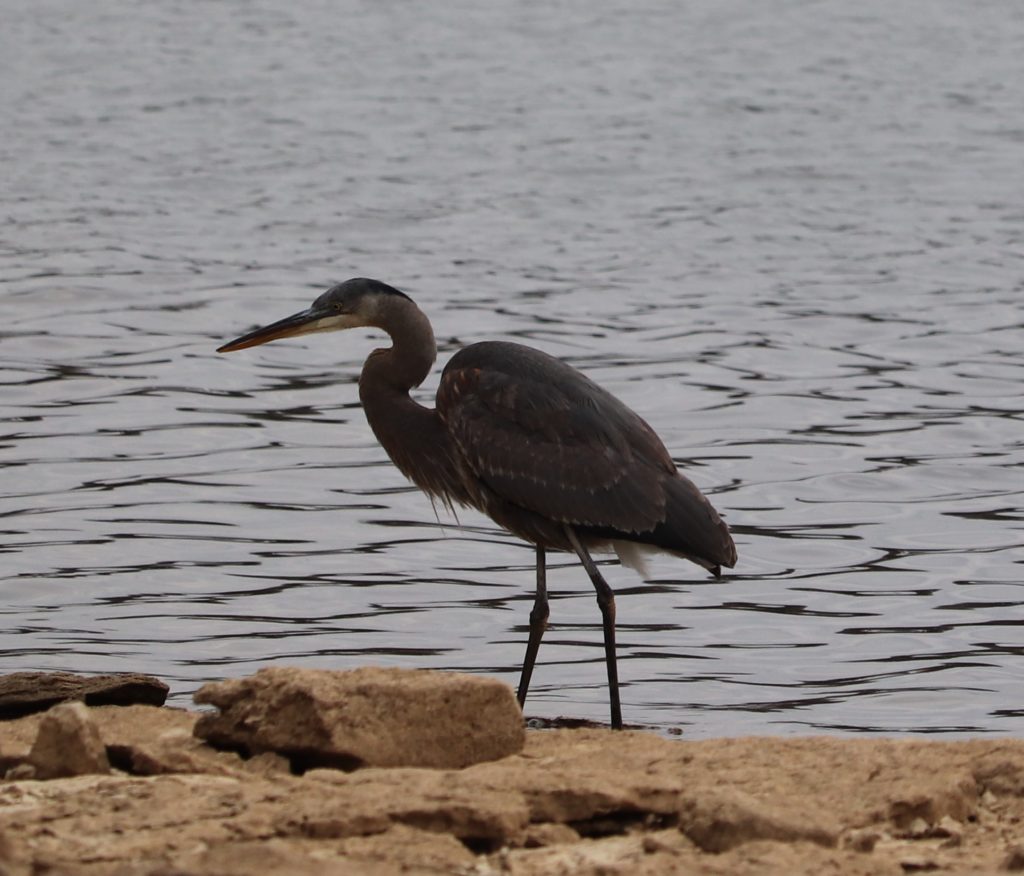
x=407, y=362
x=411, y=434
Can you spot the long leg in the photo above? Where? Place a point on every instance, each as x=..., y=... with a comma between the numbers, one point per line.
x=606, y=602
x=538, y=623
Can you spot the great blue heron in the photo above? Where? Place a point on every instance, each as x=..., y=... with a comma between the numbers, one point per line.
x=526, y=439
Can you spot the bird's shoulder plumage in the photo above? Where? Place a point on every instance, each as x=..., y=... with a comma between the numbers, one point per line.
x=543, y=436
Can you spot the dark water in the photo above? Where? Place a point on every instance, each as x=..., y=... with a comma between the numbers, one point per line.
x=789, y=234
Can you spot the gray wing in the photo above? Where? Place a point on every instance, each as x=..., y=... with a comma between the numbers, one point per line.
x=542, y=436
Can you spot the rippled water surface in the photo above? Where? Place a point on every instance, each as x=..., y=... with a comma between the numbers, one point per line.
x=789, y=234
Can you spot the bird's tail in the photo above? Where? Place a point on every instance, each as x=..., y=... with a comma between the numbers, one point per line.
x=692, y=527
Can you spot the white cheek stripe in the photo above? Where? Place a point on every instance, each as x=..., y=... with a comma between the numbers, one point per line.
x=334, y=323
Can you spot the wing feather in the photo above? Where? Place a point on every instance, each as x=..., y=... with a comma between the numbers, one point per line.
x=544, y=437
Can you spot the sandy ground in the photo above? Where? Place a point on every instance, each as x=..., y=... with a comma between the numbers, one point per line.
x=571, y=802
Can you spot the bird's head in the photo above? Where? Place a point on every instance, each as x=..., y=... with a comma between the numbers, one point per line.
x=354, y=303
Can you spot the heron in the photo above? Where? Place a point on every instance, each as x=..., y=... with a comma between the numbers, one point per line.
x=528, y=440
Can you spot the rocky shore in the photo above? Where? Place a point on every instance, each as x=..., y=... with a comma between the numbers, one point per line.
x=386, y=771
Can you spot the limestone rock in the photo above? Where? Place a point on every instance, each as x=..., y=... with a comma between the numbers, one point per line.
x=585, y=802
x=151, y=740
x=1000, y=775
x=18, y=773
x=136, y=725
x=16, y=738
x=143, y=740
x=22, y=693
x=395, y=851
x=931, y=801
x=338, y=805
x=68, y=744
x=365, y=717
x=596, y=781
x=14, y=858
x=1013, y=862
x=719, y=819
x=861, y=839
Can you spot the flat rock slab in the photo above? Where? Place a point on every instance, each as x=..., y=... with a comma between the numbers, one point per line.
x=585, y=802
x=364, y=717
x=142, y=740
x=22, y=693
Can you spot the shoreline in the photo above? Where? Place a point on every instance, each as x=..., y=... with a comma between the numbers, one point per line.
x=581, y=801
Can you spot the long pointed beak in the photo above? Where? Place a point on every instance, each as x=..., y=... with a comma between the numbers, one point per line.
x=313, y=319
